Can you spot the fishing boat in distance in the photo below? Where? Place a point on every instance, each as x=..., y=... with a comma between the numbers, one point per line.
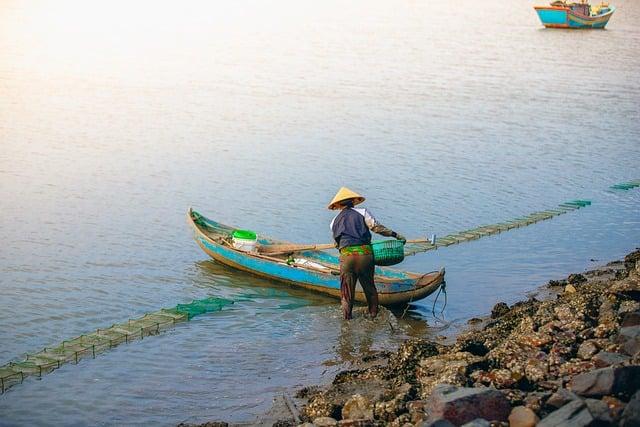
x=560, y=14
x=314, y=270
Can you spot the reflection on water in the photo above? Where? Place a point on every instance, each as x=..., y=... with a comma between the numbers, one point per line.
x=115, y=118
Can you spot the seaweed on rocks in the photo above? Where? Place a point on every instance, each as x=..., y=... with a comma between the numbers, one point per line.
x=572, y=359
x=531, y=352
x=632, y=259
x=402, y=364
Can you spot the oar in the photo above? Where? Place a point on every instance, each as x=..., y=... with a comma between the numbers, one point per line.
x=287, y=248
x=277, y=249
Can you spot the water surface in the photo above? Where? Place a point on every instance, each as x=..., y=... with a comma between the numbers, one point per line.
x=116, y=117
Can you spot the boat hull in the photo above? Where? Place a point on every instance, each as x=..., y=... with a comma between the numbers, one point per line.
x=394, y=286
x=564, y=17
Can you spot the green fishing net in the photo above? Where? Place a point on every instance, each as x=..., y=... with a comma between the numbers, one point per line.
x=51, y=358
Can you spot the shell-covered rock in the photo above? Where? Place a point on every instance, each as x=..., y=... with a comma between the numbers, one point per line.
x=530, y=352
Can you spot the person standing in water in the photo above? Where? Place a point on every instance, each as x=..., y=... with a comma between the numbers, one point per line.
x=351, y=230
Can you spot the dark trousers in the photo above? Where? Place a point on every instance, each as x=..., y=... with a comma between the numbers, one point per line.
x=352, y=269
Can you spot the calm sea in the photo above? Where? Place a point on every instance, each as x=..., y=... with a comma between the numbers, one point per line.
x=117, y=116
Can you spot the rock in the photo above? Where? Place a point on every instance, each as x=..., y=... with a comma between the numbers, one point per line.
x=461, y=404
x=624, y=380
x=321, y=405
x=556, y=283
x=630, y=261
x=604, y=330
x=536, y=368
x=632, y=310
x=478, y=422
x=307, y=425
x=573, y=414
x=474, y=321
x=305, y=392
x=605, y=358
x=498, y=378
x=550, y=385
x=207, y=424
x=561, y=397
x=514, y=396
x=358, y=407
x=587, y=334
x=587, y=349
x=356, y=423
x=417, y=411
x=451, y=368
x=631, y=319
x=625, y=289
x=405, y=392
x=436, y=423
x=534, y=400
x=535, y=339
x=385, y=411
x=473, y=346
x=564, y=313
x=631, y=414
x=576, y=367
x=616, y=406
x=629, y=339
x=402, y=364
x=500, y=309
x=401, y=421
x=570, y=289
x=325, y=422
x=576, y=279
x=416, y=405
x=522, y=416
x=599, y=411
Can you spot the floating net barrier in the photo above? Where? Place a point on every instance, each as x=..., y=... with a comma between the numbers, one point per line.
x=51, y=358
x=488, y=230
x=626, y=185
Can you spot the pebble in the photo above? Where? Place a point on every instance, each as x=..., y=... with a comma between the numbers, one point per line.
x=357, y=407
x=522, y=416
x=325, y=422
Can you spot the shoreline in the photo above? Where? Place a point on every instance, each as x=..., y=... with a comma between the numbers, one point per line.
x=569, y=358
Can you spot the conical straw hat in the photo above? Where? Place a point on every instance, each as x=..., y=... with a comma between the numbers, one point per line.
x=345, y=194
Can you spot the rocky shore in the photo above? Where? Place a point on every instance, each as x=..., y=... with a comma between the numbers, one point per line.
x=569, y=359
x=572, y=359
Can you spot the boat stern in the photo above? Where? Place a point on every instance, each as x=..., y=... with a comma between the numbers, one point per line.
x=553, y=16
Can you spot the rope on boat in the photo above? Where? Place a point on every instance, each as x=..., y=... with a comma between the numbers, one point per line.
x=51, y=358
x=488, y=230
x=442, y=288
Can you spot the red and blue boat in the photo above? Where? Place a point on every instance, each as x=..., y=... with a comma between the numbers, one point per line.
x=561, y=14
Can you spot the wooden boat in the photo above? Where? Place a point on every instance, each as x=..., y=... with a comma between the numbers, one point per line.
x=313, y=270
x=561, y=14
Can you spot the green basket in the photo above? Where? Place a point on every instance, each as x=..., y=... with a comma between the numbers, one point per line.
x=388, y=252
x=244, y=234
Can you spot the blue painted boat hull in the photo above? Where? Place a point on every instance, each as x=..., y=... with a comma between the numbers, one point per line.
x=395, y=287
x=564, y=17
